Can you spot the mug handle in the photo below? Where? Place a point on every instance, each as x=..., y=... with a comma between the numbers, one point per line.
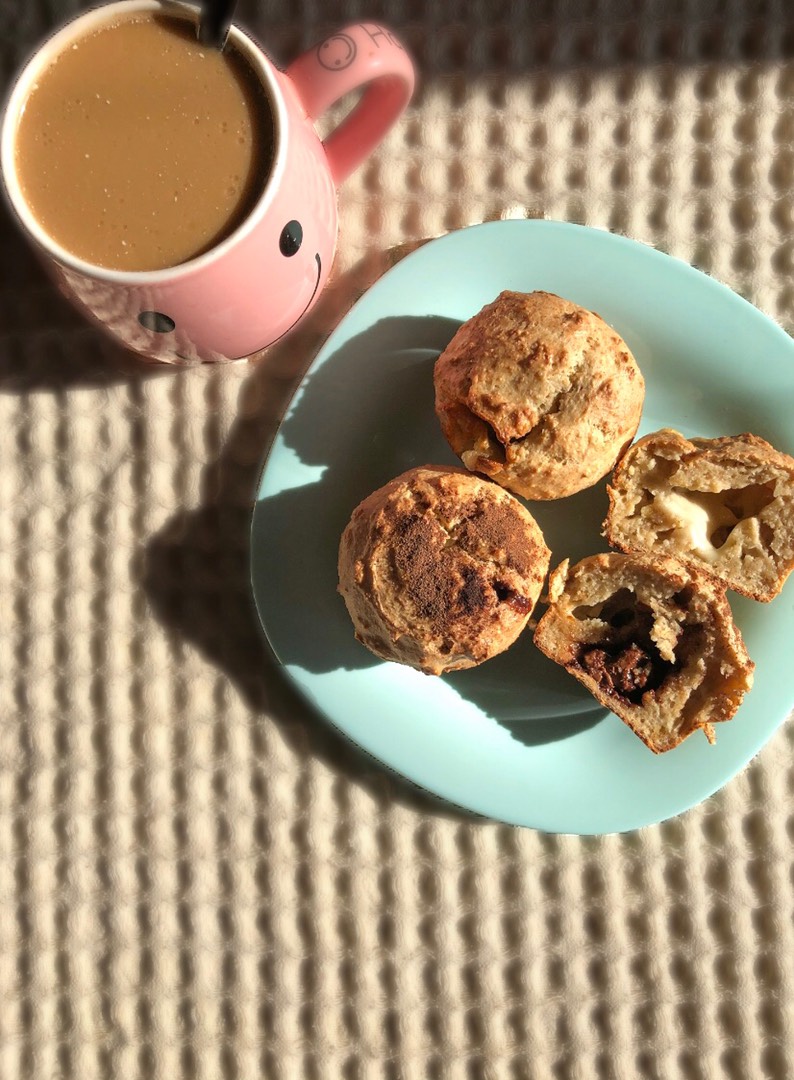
x=364, y=55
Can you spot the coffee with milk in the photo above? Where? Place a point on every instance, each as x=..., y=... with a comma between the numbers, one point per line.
x=139, y=149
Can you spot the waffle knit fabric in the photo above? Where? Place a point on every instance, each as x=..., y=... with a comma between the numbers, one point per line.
x=198, y=878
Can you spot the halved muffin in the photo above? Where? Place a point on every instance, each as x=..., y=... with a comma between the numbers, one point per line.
x=538, y=394
x=724, y=506
x=440, y=570
x=652, y=641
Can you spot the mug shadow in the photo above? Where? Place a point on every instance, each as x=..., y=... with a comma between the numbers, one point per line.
x=45, y=343
x=211, y=606
x=361, y=418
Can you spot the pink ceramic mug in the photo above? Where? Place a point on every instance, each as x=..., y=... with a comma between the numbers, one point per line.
x=254, y=286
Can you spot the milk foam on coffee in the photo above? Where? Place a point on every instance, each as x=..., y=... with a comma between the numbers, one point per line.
x=138, y=148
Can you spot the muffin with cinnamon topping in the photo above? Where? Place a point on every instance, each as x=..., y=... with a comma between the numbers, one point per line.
x=440, y=569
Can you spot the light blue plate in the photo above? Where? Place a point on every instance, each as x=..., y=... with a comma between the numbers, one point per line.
x=517, y=739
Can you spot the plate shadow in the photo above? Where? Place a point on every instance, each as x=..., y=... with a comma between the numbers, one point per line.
x=387, y=372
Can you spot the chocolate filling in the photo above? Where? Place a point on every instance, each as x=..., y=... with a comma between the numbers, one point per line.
x=628, y=671
x=627, y=663
x=506, y=595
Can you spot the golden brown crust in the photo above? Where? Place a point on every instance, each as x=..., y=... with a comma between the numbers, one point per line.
x=440, y=569
x=724, y=506
x=651, y=640
x=538, y=394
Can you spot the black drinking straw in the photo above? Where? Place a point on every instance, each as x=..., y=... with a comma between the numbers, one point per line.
x=214, y=21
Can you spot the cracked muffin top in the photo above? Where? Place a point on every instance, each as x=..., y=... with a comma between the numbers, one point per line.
x=440, y=569
x=538, y=394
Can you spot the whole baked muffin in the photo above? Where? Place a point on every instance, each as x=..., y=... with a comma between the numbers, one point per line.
x=440, y=569
x=652, y=640
x=538, y=394
x=724, y=506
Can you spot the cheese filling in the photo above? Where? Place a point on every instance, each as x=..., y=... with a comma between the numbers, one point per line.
x=695, y=519
x=706, y=522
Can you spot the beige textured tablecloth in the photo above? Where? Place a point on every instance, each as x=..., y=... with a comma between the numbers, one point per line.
x=198, y=878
